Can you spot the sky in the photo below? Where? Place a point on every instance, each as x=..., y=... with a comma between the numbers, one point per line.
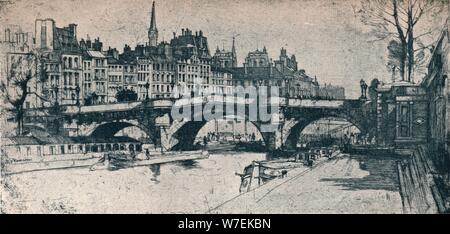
x=327, y=38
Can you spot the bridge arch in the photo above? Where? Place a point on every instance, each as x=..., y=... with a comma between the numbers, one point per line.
x=36, y=128
x=183, y=136
x=292, y=132
x=110, y=129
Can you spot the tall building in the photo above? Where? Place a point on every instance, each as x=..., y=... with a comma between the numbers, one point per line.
x=225, y=59
x=87, y=44
x=49, y=37
x=61, y=59
x=189, y=45
x=13, y=39
x=152, y=30
x=257, y=58
x=115, y=78
x=95, y=74
x=285, y=62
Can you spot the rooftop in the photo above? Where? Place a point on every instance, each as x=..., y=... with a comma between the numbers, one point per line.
x=95, y=54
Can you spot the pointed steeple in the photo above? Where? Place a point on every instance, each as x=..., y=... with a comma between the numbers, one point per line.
x=153, y=31
x=233, y=53
x=153, y=19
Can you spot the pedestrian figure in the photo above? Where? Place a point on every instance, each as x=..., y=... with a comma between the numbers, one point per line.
x=205, y=140
x=147, y=153
x=284, y=173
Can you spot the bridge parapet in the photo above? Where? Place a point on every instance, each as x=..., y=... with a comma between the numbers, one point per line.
x=211, y=99
x=316, y=103
x=102, y=108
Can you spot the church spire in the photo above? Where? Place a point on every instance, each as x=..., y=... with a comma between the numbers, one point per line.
x=233, y=53
x=153, y=31
x=153, y=19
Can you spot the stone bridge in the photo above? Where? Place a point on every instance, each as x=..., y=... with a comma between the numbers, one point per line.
x=157, y=118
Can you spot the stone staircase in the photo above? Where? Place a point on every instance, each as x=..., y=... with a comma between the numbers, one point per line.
x=417, y=188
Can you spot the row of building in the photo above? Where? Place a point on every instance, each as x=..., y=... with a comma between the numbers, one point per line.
x=73, y=71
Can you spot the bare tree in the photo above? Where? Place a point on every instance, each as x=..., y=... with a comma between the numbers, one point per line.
x=15, y=89
x=398, y=20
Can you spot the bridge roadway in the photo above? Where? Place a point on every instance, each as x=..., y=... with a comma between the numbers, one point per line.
x=168, y=103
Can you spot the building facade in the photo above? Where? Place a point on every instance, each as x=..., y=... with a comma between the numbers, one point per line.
x=81, y=72
x=115, y=78
x=61, y=59
x=437, y=87
x=401, y=110
x=225, y=59
x=257, y=58
x=95, y=74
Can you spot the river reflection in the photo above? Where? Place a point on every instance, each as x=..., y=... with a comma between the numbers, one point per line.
x=197, y=186
x=188, y=187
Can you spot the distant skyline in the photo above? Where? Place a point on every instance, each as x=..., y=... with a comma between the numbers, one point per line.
x=328, y=39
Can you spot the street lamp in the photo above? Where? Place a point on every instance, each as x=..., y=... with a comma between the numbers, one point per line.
x=172, y=85
x=363, y=85
x=73, y=97
x=77, y=91
x=56, y=90
x=147, y=86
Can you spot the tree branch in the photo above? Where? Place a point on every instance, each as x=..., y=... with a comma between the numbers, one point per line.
x=424, y=34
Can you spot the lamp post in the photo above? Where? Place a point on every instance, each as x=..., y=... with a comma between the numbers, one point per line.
x=73, y=96
x=147, y=86
x=363, y=85
x=172, y=85
x=56, y=94
x=65, y=96
x=77, y=91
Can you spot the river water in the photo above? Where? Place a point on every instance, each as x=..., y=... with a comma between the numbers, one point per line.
x=179, y=188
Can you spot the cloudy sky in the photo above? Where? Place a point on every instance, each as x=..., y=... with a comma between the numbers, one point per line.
x=326, y=36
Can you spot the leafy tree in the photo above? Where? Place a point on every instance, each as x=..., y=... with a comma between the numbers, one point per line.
x=126, y=95
x=90, y=99
x=398, y=20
